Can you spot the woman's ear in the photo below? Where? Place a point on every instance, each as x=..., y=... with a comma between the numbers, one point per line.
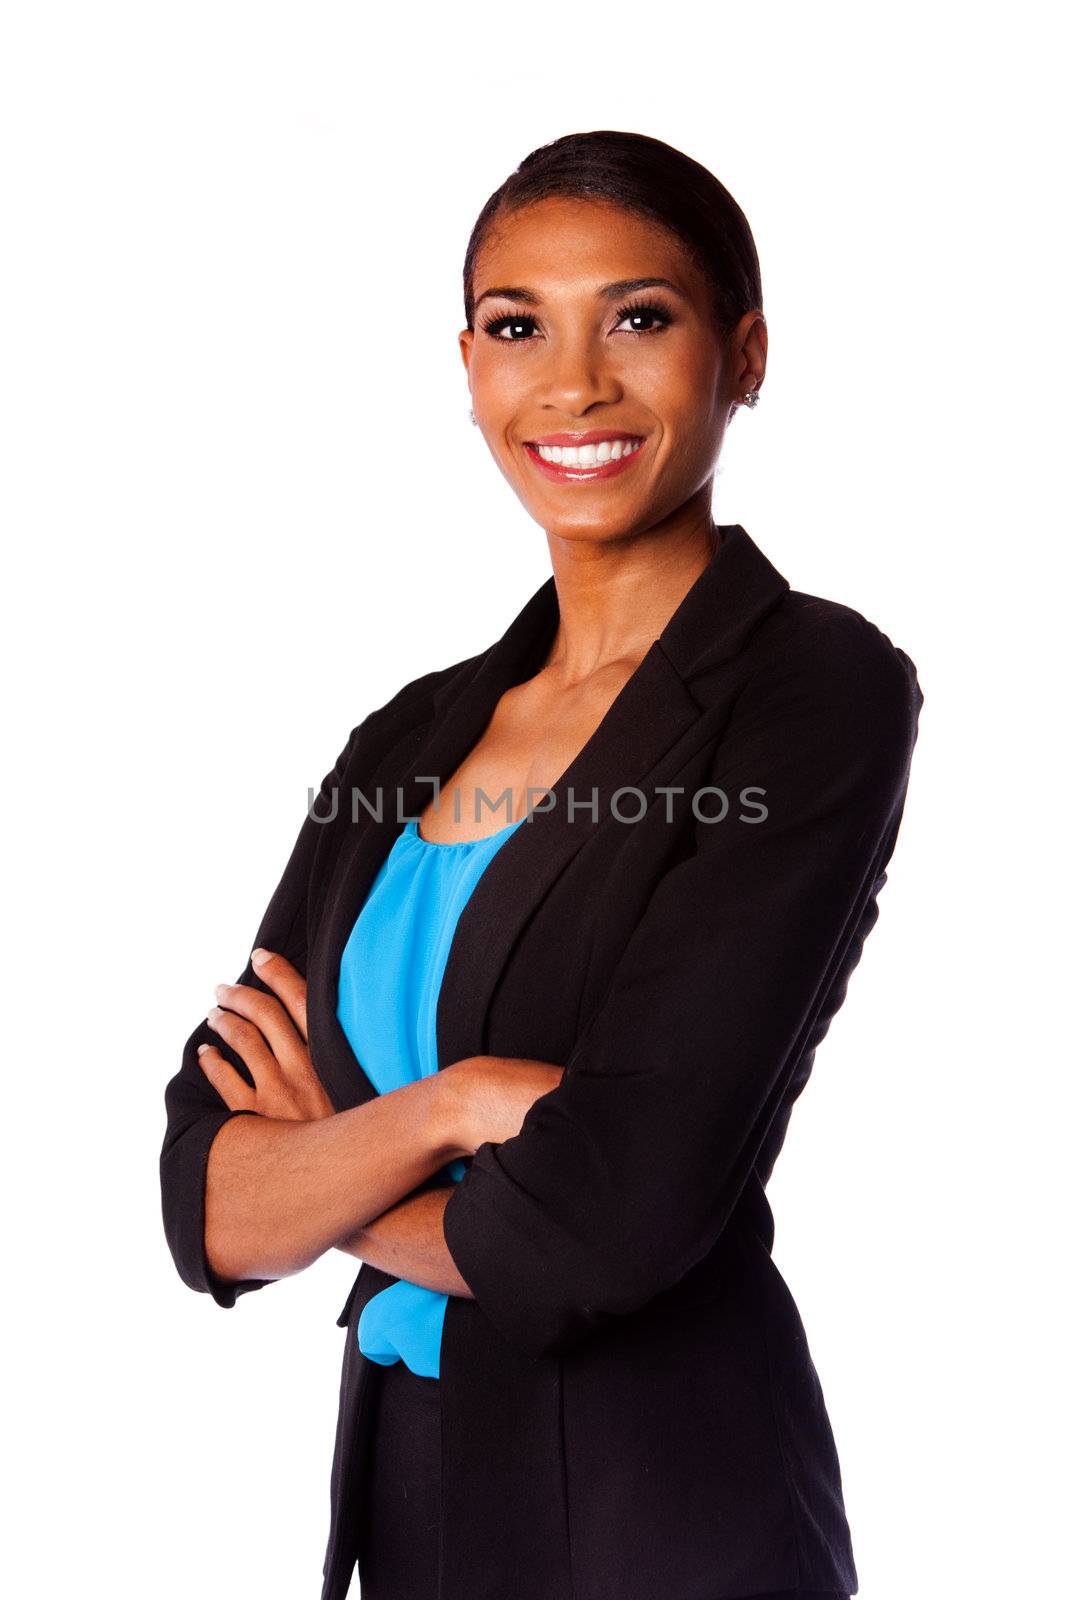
x=749, y=340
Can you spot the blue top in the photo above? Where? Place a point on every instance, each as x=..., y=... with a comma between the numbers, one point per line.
x=390, y=977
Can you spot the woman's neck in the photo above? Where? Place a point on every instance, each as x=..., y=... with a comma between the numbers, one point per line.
x=615, y=598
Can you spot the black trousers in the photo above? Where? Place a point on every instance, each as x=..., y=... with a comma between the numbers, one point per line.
x=401, y=1533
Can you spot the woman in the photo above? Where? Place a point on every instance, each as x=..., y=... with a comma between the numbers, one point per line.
x=535, y=1076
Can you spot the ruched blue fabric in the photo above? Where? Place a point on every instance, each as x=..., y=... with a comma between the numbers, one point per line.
x=390, y=977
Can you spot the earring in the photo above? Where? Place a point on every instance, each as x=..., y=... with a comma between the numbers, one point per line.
x=474, y=419
x=751, y=398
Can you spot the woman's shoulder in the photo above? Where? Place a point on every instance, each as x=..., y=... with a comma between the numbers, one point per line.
x=420, y=696
x=816, y=681
x=834, y=649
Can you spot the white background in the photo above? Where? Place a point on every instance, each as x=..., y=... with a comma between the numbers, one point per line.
x=238, y=478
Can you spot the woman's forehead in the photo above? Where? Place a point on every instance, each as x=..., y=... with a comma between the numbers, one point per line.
x=562, y=244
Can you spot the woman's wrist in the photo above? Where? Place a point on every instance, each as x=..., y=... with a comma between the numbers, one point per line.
x=449, y=1120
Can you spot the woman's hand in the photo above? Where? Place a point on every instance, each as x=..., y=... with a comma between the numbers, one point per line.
x=269, y=1033
x=487, y=1097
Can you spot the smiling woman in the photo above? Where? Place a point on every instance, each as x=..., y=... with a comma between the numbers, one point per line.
x=585, y=379
x=536, y=1076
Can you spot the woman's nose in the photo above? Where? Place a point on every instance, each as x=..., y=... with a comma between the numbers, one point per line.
x=579, y=375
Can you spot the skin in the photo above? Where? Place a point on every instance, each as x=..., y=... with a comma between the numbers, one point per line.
x=286, y=1185
x=300, y=1179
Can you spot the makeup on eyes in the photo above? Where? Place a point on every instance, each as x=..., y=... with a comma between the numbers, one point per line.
x=651, y=309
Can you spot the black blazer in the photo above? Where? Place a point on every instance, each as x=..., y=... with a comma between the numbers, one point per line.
x=629, y=1405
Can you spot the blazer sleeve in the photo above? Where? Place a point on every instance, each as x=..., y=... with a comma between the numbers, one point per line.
x=194, y=1108
x=623, y=1177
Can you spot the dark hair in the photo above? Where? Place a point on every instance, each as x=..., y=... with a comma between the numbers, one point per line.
x=648, y=177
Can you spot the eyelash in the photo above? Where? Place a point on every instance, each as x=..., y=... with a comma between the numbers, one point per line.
x=492, y=325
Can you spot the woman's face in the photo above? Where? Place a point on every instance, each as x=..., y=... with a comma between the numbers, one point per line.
x=571, y=347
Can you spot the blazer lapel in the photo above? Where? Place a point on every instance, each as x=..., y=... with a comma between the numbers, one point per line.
x=646, y=721
x=644, y=725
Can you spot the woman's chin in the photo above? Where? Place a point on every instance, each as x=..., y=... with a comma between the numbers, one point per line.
x=583, y=530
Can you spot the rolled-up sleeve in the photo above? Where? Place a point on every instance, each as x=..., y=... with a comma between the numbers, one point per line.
x=195, y=1110
x=623, y=1177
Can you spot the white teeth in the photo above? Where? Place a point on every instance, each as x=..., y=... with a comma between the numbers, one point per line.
x=587, y=455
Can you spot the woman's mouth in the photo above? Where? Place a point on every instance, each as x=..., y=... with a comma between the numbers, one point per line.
x=590, y=458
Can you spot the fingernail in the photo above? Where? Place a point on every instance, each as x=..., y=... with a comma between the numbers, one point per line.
x=201, y=1048
x=259, y=956
x=213, y=1015
x=220, y=989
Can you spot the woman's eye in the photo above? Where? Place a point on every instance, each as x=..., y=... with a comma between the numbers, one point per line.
x=497, y=328
x=644, y=317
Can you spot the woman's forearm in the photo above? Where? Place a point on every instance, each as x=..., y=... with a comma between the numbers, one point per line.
x=408, y=1240
x=281, y=1193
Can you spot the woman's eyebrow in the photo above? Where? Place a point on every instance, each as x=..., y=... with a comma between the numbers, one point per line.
x=607, y=291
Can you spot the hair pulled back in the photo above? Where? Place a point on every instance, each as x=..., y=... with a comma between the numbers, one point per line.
x=655, y=181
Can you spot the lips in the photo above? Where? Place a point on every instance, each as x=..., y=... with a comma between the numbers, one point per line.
x=572, y=445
